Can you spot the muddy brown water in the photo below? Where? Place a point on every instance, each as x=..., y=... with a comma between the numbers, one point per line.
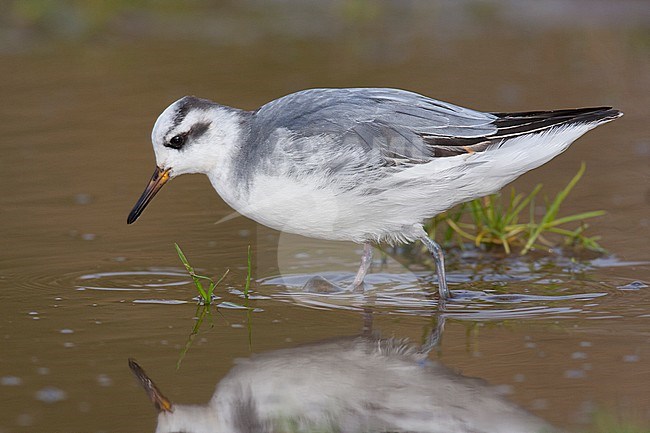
x=82, y=292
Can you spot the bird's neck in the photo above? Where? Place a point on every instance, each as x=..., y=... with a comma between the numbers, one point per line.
x=230, y=178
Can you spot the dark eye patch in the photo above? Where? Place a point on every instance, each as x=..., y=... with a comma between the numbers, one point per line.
x=179, y=140
x=198, y=129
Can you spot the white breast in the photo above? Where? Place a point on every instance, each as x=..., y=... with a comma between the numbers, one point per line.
x=393, y=207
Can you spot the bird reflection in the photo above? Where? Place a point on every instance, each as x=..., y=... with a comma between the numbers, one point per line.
x=356, y=384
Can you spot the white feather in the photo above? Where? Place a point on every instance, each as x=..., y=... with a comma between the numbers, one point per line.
x=400, y=202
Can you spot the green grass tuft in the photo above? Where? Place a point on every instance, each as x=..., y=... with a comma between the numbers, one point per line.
x=205, y=301
x=499, y=221
x=205, y=296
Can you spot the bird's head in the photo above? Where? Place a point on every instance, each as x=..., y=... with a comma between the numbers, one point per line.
x=192, y=135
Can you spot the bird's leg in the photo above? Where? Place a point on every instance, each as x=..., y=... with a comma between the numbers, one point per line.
x=439, y=258
x=366, y=260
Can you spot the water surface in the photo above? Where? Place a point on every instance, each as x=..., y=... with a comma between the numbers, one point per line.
x=82, y=292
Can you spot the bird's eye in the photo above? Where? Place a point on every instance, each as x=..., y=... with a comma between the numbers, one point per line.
x=177, y=141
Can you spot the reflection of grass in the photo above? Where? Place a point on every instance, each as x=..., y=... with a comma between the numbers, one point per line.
x=201, y=312
x=205, y=301
x=205, y=296
x=249, y=322
x=249, y=270
x=495, y=221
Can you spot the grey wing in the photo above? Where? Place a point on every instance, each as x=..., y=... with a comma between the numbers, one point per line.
x=384, y=126
x=350, y=129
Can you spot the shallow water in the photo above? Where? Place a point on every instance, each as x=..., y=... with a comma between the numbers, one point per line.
x=82, y=292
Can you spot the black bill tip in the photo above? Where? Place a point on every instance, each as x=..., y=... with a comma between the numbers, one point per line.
x=159, y=178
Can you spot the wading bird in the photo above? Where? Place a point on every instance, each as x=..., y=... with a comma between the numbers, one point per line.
x=364, y=165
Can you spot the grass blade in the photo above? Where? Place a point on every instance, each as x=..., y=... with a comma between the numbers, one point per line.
x=576, y=217
x=495, y=220
x=195, y=278
x=554, y=208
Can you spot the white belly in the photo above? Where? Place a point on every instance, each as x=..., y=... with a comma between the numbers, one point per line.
x=300, y=207
x=394, y=206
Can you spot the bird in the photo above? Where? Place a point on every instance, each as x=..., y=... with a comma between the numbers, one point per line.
x=368, y=165
x=347, y=384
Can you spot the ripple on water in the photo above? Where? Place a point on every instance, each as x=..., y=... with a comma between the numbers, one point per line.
x=141, y=281
x=159, y=301
x=49, y=281
x=155, y=281
x=416, y=294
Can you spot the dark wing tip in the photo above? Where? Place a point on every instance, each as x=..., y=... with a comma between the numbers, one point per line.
x=519, y=123
x=595, y=114
x=556, y=117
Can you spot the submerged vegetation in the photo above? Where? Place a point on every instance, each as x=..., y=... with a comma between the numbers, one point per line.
x=510, y=222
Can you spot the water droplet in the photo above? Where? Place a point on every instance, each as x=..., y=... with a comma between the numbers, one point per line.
x=574, y=374
x=83, y=198
x=50, y=394
x=10, y=381
x=104, y=380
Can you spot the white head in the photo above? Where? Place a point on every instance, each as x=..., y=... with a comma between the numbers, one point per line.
x=192, y=135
